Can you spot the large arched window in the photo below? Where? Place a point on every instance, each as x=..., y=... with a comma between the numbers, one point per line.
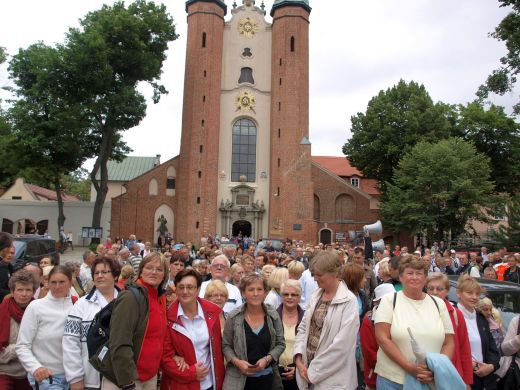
x=344, y=208
x=244, y=150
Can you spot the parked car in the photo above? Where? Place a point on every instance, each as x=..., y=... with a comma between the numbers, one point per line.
x=504, y=295
x=31, y=248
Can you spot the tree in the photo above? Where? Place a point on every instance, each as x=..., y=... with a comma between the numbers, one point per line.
x=497, y=135
x=437, y=188
x=503, y=80
x=48, y=136
x=509, y=235
x=395, y=120
x=3, y=55
x=78, y=183
x=114, y=50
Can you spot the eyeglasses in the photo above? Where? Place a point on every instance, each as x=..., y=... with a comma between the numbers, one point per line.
x=296, y=295
x=102, y=273
x=433, y=288
x=217, y=295
x=218, y=266
x=188, y=288
x=154, y=270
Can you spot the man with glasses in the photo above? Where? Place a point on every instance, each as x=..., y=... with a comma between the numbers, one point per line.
x=219, y=269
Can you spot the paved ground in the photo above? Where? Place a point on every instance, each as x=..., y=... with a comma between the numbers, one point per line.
x=76, y=254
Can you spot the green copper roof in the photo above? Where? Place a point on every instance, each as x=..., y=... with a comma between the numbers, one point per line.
x=130, y=167
x=220, y=3
x=283, y=3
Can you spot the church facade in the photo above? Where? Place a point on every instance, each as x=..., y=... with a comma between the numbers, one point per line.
x=245, y=163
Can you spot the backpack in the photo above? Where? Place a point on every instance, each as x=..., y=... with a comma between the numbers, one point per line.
x=99, y=331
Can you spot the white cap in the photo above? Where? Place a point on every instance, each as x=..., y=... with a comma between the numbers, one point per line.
x=383, y=289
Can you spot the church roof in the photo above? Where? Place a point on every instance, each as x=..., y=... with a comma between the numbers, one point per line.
x=284, y=3
x=220, y=3
x=341, y=167
x=130, y=167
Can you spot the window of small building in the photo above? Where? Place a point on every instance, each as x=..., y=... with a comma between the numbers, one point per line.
x=243, y=161
x=355, y=182
x=170, y=183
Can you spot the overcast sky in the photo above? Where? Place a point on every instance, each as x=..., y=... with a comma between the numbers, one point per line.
x=357, y=48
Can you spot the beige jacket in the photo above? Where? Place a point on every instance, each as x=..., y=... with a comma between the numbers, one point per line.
x=9, y=363
x=510, y=348
x=334, y=363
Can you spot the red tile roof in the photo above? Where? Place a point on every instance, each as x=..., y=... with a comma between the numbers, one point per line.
x=341, y=167
x=40, y=192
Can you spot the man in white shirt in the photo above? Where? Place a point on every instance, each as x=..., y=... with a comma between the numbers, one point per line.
x=308, y=286
x=219, y=269
x=85, y=274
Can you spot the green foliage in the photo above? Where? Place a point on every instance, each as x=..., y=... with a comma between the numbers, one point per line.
x=497, y=135
x=438, y=187
x=3, y=55
x=395, y=120
x=503, y=80
x=114, y=50
x=509, y=235
x=77, y=183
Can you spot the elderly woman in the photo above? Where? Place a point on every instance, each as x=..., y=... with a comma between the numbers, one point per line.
x=253, y=340
x=291, y=315
x=236, y=273
x=511, y=350
x=484, y=352
x=75, y=268
x=248, y=263
x=266, y=272
x=217, y=293
x=195, y=336
x=39, y=344
x=12, y=374
x=324, y=351
x=137, y=329
x=437, y=284
x=78, y=371
x=426, y=317
x=275, y=281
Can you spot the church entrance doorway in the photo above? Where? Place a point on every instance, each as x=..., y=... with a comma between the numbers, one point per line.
x=326, y=236
x=242, y=227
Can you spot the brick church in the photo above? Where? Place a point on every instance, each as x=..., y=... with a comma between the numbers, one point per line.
x=245, y=163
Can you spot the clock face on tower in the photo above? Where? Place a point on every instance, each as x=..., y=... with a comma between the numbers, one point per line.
x=248, y=27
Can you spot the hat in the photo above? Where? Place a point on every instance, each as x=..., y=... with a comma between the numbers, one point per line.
x=452, y=251
x=382, y=290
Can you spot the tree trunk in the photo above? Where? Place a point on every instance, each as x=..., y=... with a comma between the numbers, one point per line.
x=61, y=214
x=101, y=185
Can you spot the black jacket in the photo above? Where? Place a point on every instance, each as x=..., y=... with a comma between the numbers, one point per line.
x=6, y=270
x=490, y=355
x=512, y=276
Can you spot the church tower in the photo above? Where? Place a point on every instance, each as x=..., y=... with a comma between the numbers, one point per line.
x=198, y=160
x=245, y=162
x=291, y=193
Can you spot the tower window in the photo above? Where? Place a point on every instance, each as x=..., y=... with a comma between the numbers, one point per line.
x=246, y=76
x=280, y=81
x=198, y=199
x=201, y=148
x=280, y=62
x=243, y=161
x=279, y=133
x=278, y=163
x=204, y=73
x=292, y=44
x=202, y=123
x=247, y=52
x=197, y=225
x=200, y=174
x=279, y=106
x=204, y=98
x=203, y=39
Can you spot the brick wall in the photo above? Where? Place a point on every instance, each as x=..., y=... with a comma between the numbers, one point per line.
x=134, y=211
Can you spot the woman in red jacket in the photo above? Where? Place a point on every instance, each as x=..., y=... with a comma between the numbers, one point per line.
x=438, y=284
x=195, y=336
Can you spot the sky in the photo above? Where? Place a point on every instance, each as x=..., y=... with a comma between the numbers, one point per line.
x=357, y=48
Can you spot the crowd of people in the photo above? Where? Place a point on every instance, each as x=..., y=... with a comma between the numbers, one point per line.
x=239, y=315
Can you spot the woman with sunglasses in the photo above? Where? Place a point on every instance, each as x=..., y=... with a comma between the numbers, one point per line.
x=291, y=315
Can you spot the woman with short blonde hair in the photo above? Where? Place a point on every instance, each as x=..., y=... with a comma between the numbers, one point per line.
x=295, y=269
x=275, y=281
